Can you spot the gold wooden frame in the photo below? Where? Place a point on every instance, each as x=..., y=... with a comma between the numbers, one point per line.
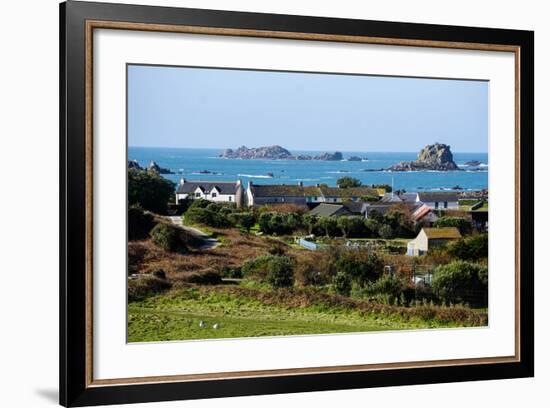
x=98, y=24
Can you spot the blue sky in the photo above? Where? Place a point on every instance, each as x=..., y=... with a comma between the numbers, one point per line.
x=217, y=108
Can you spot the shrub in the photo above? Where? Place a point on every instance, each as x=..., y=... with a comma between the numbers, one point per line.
x=387, y=285
x=385, y=231
x=150, y=190
x=279, y=272
x=279, y=223
x=244, y=220
x=461, y=281
x=470, y=248
x=275, y=269
x=206, y=216
x=360, y=266
x=342, y=283
x=352, y=226
x=309, y=270
x=232, y=272
x=329, y=225
x=140, y=223
x=347, y=182
x=167, y=237
x=146, y=286
x=200, y=203
x=256, y=267
x=208, y=277
x=463, y=225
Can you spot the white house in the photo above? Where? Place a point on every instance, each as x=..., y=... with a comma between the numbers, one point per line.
x=439, y=200
x=216, y=191
x=431, y=237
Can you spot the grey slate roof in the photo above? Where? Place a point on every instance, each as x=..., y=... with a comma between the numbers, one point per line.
x=327, y=210
x=282, y=190
x=206, y=186
x=427, y=197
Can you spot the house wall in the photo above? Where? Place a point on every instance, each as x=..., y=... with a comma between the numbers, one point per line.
x=451, y=205
x=419, y=245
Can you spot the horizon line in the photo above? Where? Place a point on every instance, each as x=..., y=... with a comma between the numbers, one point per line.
x=297, y=149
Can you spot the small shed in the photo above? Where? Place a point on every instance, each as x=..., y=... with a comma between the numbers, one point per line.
x=431, y=237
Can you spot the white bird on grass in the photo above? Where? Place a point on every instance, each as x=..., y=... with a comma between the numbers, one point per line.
x=202, y=324
x=216, y=326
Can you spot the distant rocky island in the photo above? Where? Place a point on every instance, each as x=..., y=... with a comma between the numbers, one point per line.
x=275, y=153
x=436, y=157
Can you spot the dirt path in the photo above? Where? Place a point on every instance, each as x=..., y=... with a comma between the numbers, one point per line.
x=208, y=242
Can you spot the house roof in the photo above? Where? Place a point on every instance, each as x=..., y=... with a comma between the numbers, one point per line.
x=408, y=197
x=391, y=198
x=207, y=186
x=326, y=210
x=380, y=208
x=442, y=233
x=349, y=192
x=283, y=190
x=435, y=196
x=421, y=212
x=355, y=207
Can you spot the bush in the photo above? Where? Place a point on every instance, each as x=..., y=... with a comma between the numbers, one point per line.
x=279, y=272
x=471, y=248
x=206, y=216
x=360, y=266
x=348, y=182
x=279, y=223
x=461, y=281
x=463, y=225
x=149, y=190
x=140, y=223
x=146, y=286
x=232, y=272
x=385, y=231
x=244, y=220
x=352, y=226
x=275, y=269
x=208, y=277
x=256, y=267
x=342, y=283
x=389, y=285
x=329, y=226
x=167, y=237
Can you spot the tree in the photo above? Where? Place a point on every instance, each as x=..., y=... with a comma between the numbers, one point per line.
x=244, y=220
x=328, y=224
x=309, y=221
x=140, y=223
x=351, y=226
x=385, y=231
x=471, y=248
x=347, y=182
x=464, y=225
x=149, y=190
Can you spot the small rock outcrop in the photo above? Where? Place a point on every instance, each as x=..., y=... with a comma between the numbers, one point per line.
x=356, y=158
x=155, y=168
x=336, y=156
x=473, y=163
x=436, y=157
x=133, y=164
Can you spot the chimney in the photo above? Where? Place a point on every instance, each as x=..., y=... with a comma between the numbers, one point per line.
x=182, y=181
x=301, y=183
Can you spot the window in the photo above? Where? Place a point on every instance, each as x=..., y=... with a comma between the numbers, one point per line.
x=197, y=195
x=230, y=198
x=445, y=204
x=214, y=195
x=436, y=204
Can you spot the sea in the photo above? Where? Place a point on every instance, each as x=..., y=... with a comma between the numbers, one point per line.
x=205, y=165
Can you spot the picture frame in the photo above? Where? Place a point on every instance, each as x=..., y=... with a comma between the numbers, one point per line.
x=78, y=385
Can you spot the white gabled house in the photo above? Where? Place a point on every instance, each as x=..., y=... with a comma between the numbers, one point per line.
x=225, y=192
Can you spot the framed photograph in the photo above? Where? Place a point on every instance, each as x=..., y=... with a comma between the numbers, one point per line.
x=256, y=204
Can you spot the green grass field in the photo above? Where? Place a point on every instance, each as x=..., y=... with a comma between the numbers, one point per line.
x=176, y=316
